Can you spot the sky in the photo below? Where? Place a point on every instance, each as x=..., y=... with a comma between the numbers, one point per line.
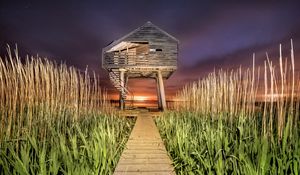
x=212, y=34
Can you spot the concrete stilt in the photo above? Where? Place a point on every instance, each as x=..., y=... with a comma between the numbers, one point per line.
x=161, y=90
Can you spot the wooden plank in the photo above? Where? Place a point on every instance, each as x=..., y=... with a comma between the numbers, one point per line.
x=145, y=161
x=143, y=156
x=145, y=152
x=146, y=147
x=145, y=167
x=143, y=173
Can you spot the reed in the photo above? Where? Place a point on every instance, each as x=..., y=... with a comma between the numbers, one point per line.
x=40, y=92
x=56, y=119
x=242, y=121
x=239, y=92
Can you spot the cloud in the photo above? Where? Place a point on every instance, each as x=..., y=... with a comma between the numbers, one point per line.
x=212, y=34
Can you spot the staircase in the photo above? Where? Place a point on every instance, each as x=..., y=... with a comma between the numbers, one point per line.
x=114, y=77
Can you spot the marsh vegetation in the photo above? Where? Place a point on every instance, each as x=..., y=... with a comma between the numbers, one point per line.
x=237, y=122
x=56, y=119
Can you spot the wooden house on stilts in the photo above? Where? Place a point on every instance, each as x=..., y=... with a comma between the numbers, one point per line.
x=147, y=52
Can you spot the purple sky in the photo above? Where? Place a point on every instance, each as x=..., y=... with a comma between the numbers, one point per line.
x=212, y=34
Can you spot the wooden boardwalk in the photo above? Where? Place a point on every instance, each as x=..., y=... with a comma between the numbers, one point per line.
x=145, y=152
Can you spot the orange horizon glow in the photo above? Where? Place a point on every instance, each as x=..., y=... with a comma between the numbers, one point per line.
x=139, y=97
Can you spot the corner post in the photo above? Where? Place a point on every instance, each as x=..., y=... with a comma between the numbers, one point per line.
x=158, y=94
x=122, y=92
x=161, y=90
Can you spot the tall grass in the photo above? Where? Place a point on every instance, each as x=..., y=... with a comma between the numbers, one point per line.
x=201, y=145
x=91, y=146
x=41, y=92
x=55, y=119
x=271, y=91
x=237, y=122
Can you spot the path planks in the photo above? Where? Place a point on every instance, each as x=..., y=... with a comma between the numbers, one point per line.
x=145, y=152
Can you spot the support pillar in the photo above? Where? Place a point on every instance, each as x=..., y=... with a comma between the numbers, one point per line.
x=161, y=91
x=158, y=94
x=122, y=83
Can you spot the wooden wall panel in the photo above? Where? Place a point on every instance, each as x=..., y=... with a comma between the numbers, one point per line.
x=157, y=39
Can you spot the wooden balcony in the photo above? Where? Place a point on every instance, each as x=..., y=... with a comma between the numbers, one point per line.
x=132, y=60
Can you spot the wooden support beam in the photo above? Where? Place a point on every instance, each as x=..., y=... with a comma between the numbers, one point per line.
x=161, y=90
x=122, y=82
x=158, y=94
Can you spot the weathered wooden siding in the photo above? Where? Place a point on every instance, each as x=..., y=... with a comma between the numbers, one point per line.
x=157, y=39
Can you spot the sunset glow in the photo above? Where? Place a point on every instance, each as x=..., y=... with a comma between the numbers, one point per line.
x=210, y=38
x=149, y=87
x=141, y=98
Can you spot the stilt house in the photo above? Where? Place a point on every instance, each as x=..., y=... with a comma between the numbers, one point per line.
x=146, y=52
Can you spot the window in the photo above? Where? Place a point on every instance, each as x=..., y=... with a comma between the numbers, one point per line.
x=155, y=50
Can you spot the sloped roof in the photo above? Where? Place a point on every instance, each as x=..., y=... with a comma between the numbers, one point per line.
x=122, y=45
x=147, y=24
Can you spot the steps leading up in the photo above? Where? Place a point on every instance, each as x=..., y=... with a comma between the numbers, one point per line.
x=114, y=77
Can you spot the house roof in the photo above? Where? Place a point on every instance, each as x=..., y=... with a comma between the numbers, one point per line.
x=147, y=24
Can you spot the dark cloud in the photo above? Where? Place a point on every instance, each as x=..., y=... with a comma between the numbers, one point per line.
x=212, y=34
